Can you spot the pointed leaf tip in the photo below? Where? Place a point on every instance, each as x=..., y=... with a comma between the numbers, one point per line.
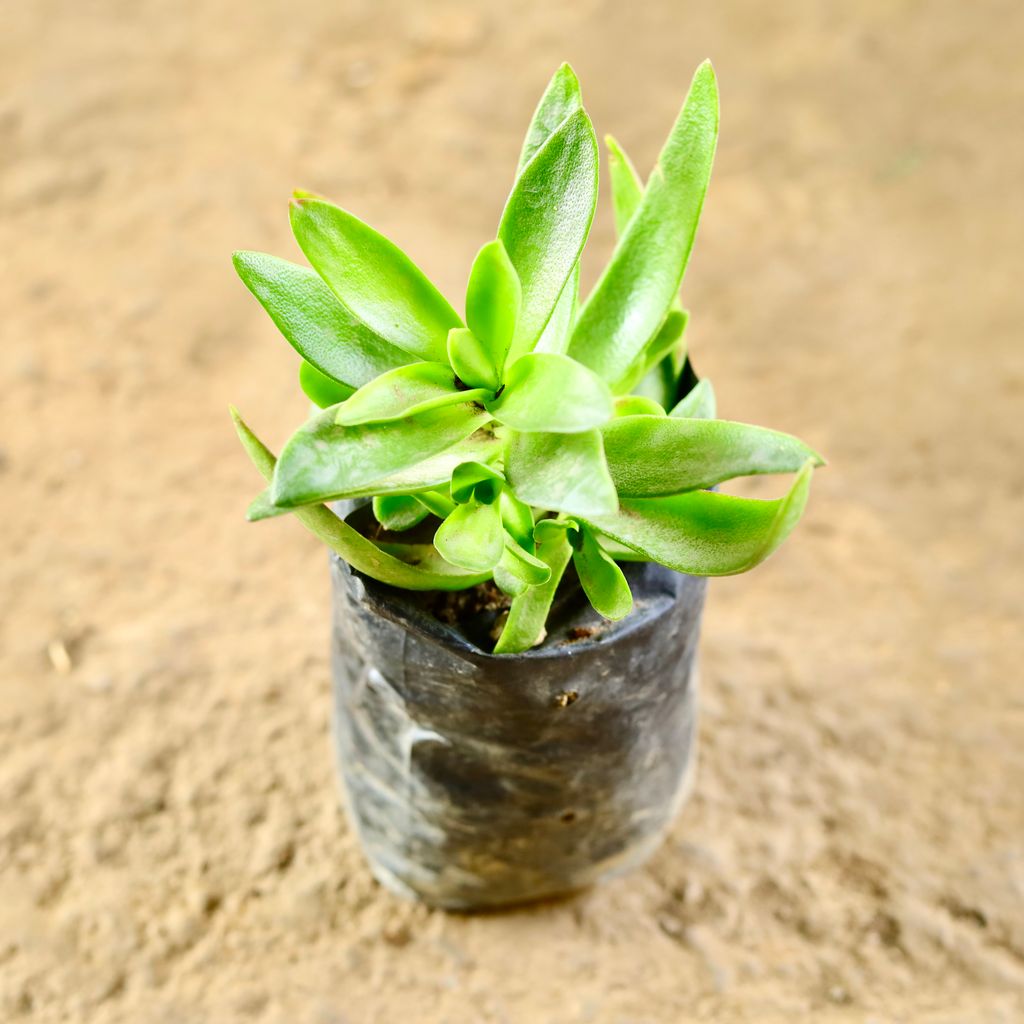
x=546, y=220
x=378, y=282
x=423, y=569
x=637, y=288
x=651, y=456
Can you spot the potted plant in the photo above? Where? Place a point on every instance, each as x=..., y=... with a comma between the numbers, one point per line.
x=522, y=508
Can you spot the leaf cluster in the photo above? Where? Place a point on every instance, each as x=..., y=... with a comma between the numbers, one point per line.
x=535, y=430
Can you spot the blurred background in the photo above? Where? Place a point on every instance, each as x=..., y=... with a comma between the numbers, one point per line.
x=170, y=844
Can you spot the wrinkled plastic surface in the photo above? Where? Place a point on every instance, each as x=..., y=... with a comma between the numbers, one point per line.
x=476, y=781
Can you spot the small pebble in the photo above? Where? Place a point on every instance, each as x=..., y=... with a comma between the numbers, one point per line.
x=57, y=652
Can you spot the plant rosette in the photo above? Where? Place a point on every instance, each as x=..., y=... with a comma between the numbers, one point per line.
x=522, y=505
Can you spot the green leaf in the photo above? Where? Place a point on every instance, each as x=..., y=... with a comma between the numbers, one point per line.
x=425, y=558
x=319, y=388
x=410, y=572
x=637, y=405
x=655, y=371
x=473, y=361
x=553, y=393
x=261, y=507
x=493, y=296
x=475, y=480
x=650, y=456
x=561, y=98
x=374, y=279
x=405, y=392
x=546, y=222
x=602, y=580
x=324, y=460
x=699, y=403
x=519, y=569
x=561, y=472
x=472, y=537
x=518, y=518
x=505, y=578
x=398, y=512
x=525, y=624
x=555, y=336
x=704, y=533
x=436, y=503
x=547, y=529
x=259, y=454
x=627, y=192
x=423, y=478
x=638, y=286
x=315, y=323
x=660, y=384
x=627, y=188
x=663, y=344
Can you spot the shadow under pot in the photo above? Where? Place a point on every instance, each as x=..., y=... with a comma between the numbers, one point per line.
x=476, y=781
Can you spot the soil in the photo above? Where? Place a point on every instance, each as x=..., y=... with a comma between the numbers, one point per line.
x=171, y=849
x=462, y=607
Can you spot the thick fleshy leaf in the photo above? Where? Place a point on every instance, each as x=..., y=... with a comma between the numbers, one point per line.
x=660, y=384
x=472, y=537
x=261, y=507
x=698, y=404
x=646, y=375
x=552, y=393
x=627, y=188
x=561, y=472
x=426, y=558
x=519, y=569
x=638, y=286
x=668, y=339
x=436, y=503
x=374, y=279
x=473, y=361
x=525, y=624
x=517, y=517
x=398, y=512
x=493, y=295
x=704, y=533
x=546, y=222
x=561, y=98
x=506, y=579
x=324, y=460
x=320, y=389
x=666, y=342
x=476, y=481
x=546, y=529
x=649, y=456
x=315, y=323
x=402, y=565
x=637, y=405
x=406, y=486
x=432, y=474
x=555, y=336
x=602, y=580
x=404, y=392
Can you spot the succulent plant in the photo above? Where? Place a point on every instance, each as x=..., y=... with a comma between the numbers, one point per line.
x=536, y=431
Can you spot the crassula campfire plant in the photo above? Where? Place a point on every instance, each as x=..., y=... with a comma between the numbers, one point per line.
x=536, y=431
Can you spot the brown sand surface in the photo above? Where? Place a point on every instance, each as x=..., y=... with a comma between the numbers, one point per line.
x=171, y=849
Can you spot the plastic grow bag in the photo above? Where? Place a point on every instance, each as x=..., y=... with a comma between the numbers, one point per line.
x=476, y=781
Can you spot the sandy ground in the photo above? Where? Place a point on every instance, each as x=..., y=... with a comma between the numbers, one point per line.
x=170, y=845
